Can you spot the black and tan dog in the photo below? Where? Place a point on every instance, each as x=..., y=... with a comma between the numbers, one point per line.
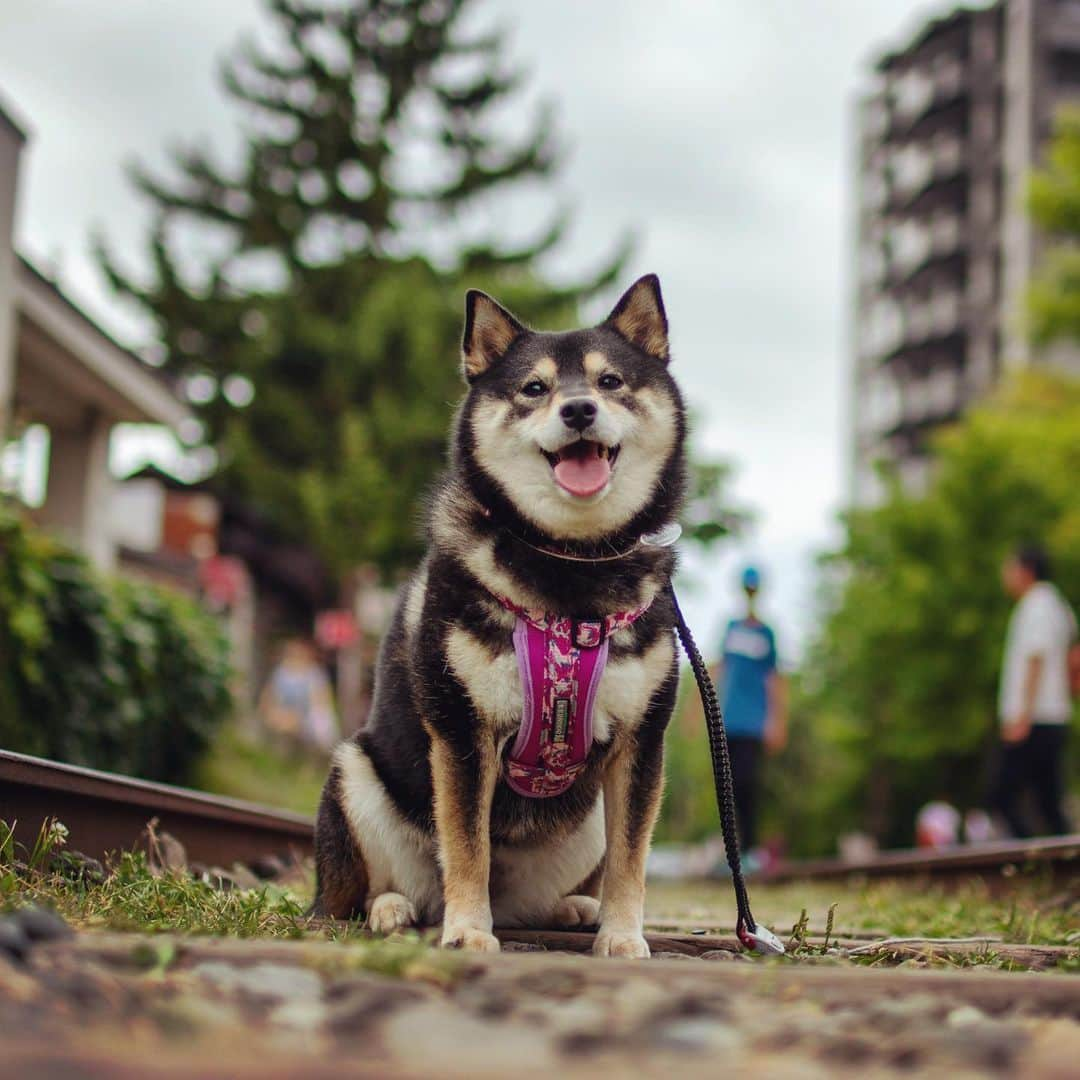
x=567, y=451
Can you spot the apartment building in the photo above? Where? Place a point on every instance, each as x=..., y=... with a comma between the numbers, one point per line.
x=947, y=135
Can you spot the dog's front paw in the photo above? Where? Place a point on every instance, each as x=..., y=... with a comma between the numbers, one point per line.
x=617, y=943
x=389, y=912
x=574, y=911
x=469, y=939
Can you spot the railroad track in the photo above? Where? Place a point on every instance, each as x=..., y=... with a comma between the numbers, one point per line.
x=106, y=813
x=1059, y=855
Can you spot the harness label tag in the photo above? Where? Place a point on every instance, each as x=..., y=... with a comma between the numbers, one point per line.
x=562, y=719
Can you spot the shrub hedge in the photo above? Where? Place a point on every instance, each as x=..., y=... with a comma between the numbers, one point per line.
x=111, y=674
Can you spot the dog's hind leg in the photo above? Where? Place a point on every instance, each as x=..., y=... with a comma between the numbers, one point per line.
x=581, y=908
x=576, y=911
x=341, y=879
x=391, y=911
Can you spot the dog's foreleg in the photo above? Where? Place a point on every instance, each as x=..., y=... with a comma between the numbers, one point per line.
x=464, y=785
x=633, y=785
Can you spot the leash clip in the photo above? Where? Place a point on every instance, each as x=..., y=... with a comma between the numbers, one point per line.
x=761, y=940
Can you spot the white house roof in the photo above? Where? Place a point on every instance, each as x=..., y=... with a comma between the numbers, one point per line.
x=60, y=346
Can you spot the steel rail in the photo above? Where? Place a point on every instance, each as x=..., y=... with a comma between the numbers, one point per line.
x=106, y=813
x=1001, y=859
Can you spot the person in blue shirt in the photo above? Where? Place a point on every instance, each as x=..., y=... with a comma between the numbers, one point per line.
x=753, y=697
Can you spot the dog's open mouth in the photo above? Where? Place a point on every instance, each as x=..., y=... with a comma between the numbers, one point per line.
x=583, y=468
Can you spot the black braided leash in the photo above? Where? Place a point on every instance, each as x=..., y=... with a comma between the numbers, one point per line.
x=749, y=933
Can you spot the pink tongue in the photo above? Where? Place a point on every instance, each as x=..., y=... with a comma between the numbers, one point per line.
x=583, y=476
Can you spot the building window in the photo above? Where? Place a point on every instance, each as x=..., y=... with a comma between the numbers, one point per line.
x=945, y=232
x=883, y=329
x=943, y=391
x=882, y=403
x=910, y=245
x=912, y=94
x=947, y=155
x=984, y=123
x=912, y=167
x=1066, y=67
x=872, y=264
x=945, y=312
x=948, y=76
x=918, y=320
x=875, y=118
x=982, y=281
x=874, y=191
x=984, y=44
x=984, y=203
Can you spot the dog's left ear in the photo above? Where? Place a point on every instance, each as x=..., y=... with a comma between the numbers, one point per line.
x=490, y=330
x=639, y=317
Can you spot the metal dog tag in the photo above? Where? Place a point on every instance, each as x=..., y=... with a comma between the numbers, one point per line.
x=664, y=537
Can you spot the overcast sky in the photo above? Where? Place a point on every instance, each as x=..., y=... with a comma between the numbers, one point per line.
x=719, y=132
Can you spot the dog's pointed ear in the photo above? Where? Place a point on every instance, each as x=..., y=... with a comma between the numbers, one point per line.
x=639, y=317
x=489, y=331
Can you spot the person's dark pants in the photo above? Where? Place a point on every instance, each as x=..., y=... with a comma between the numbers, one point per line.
x=1037, y=765
x=745, y=753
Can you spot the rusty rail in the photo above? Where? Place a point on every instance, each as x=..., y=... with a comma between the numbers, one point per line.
x=106, y=813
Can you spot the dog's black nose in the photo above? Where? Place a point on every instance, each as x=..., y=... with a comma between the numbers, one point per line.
x=578, y=413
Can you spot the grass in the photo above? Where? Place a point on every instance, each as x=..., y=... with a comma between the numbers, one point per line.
x=244, y=769
x=1032, y=912
x=134, y=897
x=137, y=897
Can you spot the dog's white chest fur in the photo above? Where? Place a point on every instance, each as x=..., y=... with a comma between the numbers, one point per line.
x=494, y=684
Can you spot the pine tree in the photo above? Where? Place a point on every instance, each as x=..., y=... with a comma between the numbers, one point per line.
x=314, y=327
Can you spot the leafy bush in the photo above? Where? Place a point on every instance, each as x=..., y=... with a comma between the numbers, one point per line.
x=114, y=675
x=900, y=683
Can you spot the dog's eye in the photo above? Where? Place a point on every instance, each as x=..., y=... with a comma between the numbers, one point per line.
x=609, y=382
x=534, y=389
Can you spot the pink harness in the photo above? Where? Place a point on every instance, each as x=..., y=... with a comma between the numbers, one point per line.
x=560, y=660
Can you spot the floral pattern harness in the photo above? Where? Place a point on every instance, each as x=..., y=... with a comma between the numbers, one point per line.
x=560, y=660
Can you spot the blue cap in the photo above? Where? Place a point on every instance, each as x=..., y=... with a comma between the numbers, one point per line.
x=751, y=578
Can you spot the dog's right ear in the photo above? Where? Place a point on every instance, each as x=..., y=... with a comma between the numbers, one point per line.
x=490, y=330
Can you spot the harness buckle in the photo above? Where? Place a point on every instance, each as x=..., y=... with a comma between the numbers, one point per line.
x=588, y=633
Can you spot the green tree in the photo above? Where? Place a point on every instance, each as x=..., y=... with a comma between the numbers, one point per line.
x=898, y=690
x=1053, y=301
x=311, y=327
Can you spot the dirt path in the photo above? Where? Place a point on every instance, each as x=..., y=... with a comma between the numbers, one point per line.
x=124, y=1005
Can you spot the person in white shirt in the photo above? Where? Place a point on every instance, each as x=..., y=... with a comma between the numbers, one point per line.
x=1035, y=699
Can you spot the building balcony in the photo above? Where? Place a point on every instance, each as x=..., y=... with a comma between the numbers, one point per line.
x=920, y=93
x=915, y=244
x=939, y=192
x=925, y=353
